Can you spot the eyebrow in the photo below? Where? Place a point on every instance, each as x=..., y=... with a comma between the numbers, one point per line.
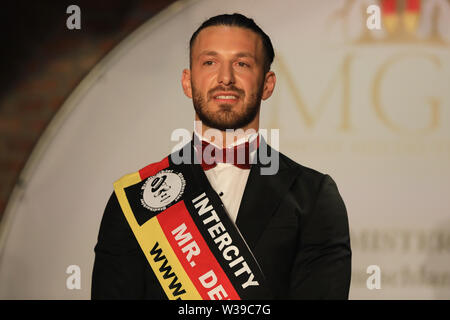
x=239, y=54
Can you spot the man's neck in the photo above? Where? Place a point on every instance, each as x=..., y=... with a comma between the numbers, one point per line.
x=223, y=139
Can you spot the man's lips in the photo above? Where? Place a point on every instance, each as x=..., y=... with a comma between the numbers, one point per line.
x=226, y=96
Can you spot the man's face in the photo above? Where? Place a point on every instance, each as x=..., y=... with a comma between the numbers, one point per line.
x=227, y=81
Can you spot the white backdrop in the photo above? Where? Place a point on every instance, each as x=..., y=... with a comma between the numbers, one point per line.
x=369, y=108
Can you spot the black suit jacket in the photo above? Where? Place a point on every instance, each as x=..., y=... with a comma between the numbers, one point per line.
x=295, y=223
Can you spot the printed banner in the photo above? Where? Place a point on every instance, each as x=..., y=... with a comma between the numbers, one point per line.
x=192, y=246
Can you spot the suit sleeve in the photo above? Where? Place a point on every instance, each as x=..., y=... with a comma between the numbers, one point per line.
x=322, y=265
x=118, y=268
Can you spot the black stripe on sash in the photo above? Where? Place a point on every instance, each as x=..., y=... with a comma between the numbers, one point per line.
x=134, y=195
x=241, y=269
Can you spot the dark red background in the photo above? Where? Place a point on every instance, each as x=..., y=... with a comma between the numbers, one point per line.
x=43, y=61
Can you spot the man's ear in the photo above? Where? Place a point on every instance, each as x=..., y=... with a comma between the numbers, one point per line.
x=269, y=84
x=186, y=82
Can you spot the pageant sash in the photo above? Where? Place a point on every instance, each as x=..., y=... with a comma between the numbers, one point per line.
x=192, y=246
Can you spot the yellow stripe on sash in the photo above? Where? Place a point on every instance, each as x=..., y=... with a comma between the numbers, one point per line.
x=163, y=260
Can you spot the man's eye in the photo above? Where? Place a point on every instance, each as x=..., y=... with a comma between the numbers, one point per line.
x=208, y=63
x=242, y=64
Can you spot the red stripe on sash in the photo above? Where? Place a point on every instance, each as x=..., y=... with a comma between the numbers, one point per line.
x=154, y=168
x=202, y=267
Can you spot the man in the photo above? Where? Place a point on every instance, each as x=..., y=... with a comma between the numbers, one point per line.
x=222, y=228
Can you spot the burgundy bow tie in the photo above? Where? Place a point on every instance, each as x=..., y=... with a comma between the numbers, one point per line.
x=238, y=155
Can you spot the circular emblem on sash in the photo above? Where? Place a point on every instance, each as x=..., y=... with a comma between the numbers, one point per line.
x=162, y=189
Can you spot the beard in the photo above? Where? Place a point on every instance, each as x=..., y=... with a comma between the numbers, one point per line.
x=227, y=118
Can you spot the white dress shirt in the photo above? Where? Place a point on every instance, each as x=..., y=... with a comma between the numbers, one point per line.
x=228, y=180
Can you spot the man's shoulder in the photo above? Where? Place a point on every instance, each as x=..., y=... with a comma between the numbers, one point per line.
x=310, y=184
x=143, y=173
x=308, y=180
x=303, y=171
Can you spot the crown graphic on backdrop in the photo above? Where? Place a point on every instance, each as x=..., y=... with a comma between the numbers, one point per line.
x=403, y=21
x=398, y=18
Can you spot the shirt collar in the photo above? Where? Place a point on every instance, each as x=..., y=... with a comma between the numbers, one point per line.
x=250, y=137
x=247, y=137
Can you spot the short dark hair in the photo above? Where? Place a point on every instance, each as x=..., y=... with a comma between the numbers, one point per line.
x=237, y=20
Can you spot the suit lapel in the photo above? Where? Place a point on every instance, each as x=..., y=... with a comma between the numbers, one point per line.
x=262, y=196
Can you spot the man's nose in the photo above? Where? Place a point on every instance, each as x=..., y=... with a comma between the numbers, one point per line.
x=226, y=75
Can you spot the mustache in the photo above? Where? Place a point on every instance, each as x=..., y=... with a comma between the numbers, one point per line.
x=231, y=89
